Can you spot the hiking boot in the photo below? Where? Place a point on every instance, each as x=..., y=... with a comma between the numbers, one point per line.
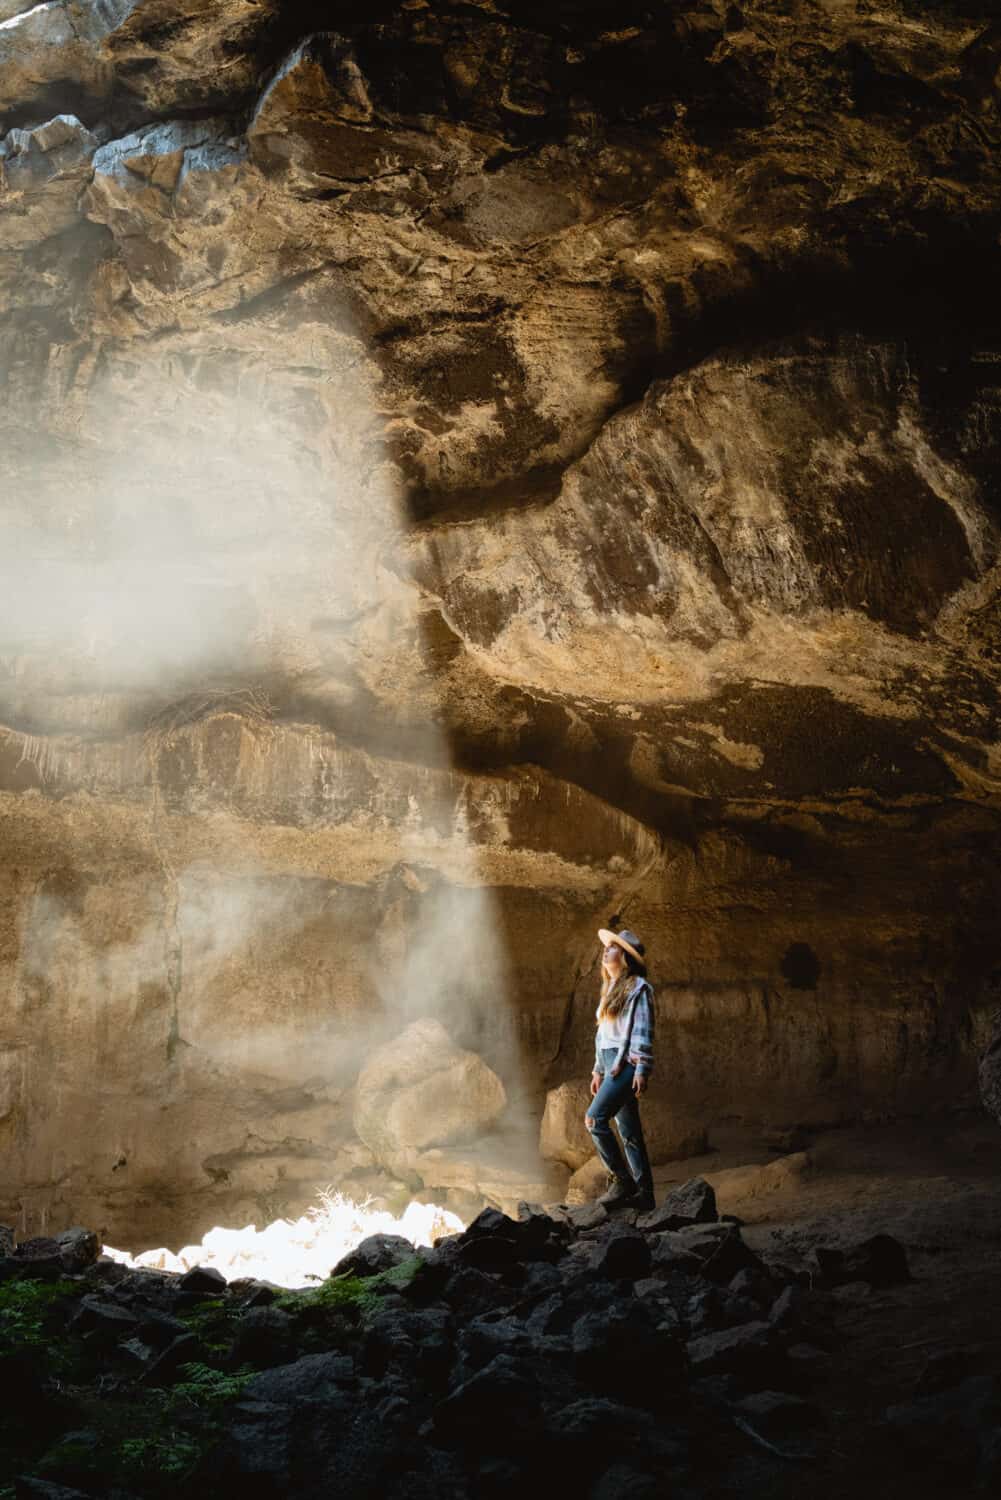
x=618, y=1195
x=644, y=1202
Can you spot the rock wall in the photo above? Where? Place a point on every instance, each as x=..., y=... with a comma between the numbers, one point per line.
x=469, y=475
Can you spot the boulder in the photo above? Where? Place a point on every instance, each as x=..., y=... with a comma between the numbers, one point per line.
x=264, y=1337
x=718, y=1248
x=693, y=1203
x=378, y=1252
x=625, y=1256
x=492, y=1170
x=103, y=1322
x=180, y=1351
x=499, y=1406
x=587, y=1216
x=421, y=1090
x=879, y=1261
x=204, y=1281
x=588, y=1182
x=67, y=1253
x=745, y=1190
x=629, y=1352
x=563, y=1135
x=313, y=1377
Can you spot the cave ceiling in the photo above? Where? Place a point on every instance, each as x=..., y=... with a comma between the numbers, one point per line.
x=668, y=332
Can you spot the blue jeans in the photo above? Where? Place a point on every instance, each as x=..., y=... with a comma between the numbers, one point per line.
x=616, y=1101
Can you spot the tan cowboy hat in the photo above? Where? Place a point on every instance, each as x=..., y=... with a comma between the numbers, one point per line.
x=624, y=939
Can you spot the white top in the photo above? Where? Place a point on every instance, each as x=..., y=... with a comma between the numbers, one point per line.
x=612, y=1030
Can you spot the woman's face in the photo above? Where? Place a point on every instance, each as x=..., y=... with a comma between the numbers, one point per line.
x=613, y=959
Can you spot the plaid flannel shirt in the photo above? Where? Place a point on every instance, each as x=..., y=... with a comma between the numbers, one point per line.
x=639, y=1034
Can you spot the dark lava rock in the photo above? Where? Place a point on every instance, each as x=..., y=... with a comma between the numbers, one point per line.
x=751, y=1350
x=482, y=1340
x=493, y=1241
x=265, y=1336
x=587, y=1216
x=669, y=1257
x=719, y=1249
x=692, y=1203
x=471, y=1291
x=628, y=1352
x=880, y=1261
x=624, y=1256
x=705, y=1311
x=159, y=1328
x=585, y=1292
x=788, y=1307
x=620, y=1482
x=777, y=1415
x=314, y=1375
x=753, y=1284
x=78, y=1249
x=104, y=1321
x=180, y=1351
x=379, y=1252
x=581, y=1430
x=253, y=1293
x=497, y=1408
x=489, y=1252
x=205, y=1280
x=413, y=1343
x=63, y=1254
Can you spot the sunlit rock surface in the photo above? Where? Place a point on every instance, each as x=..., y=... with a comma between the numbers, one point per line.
x=468, y=475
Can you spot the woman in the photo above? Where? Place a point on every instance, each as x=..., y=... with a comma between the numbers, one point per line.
x=623, y=1060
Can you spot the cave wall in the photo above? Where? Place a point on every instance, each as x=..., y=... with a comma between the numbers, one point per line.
x=487, y=468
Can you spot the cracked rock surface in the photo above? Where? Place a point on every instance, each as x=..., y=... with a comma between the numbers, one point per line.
x=488, y=468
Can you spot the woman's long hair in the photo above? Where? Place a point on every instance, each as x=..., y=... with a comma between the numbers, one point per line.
x=615, y=992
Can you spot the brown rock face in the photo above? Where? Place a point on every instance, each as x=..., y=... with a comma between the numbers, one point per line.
x=469, y=476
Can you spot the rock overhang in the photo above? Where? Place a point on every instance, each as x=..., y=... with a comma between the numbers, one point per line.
x=677, y=426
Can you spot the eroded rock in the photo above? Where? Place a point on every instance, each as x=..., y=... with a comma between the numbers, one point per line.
x=421, y=1090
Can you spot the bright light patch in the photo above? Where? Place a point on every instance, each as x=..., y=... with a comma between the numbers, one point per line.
x=299, y=1253
x=16, y=20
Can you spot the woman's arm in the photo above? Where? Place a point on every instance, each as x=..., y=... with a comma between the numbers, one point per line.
x=641, y=1040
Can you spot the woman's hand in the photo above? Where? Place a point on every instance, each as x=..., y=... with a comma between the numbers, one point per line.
x=639, y=1084
x=595, y=1083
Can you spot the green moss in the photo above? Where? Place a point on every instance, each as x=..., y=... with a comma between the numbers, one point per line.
x=170, y=1455
x=334, y=1294
x=205, y=1387
x=362, y=1293
x=168, y=1433
x=212, y=1323
x=25, y=1311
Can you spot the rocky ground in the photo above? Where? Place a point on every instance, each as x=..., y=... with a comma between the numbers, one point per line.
x=479, y=471
x=835, y=1340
